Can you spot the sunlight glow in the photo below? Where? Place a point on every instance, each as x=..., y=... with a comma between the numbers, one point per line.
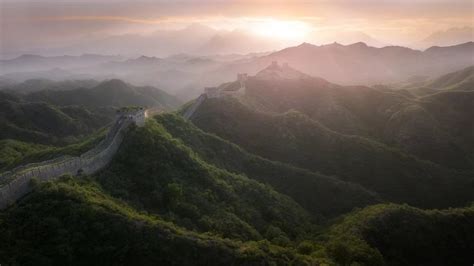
x=281, y=29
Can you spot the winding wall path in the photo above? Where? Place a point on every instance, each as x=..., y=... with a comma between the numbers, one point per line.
x=16, y=183
x=192, y=109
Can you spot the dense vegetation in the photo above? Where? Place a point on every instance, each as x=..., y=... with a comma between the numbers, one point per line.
x=404, y=235
x=175, y=183
x=44, y=123
x=272, y=178
x=321, y=195
x=75, y=223
x=396, y=118
x=41, y=119
x=14, y=152
x=175, y=195
x=296, y=139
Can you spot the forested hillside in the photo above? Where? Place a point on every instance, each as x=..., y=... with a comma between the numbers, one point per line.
x=41, y=119
x=427, y=127
x=242, y=132
x=404, y=235
x=296, y=139
x=166, y=199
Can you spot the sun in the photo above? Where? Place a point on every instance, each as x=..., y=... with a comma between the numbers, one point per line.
x=281, y=29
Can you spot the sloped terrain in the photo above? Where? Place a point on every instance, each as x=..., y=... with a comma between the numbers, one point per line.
x=404, y=235
x=156, y=172
x=458, y=80
x=44, y=123
x=76, y=223
x=417, y=125
x=176, y=195
x=317, y=193
x=296, y=139
x=108, y=93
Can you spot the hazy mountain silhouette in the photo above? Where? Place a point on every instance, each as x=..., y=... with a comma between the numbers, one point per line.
x=186, y=74
x=359, y=63
x=344, y=37
x=30, y=62
x=238, y=41
x=448, y=37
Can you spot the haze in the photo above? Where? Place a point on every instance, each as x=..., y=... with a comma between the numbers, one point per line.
x=162, y=28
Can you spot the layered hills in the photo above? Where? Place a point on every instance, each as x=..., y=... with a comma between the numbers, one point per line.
x=359, y=63
x=407, y=149
x=295, y=171
x=177, y=195
x=434, y=128
x=41, y=119
x=185, y=74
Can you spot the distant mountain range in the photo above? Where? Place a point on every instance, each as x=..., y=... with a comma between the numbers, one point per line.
x=199, y=39
x=30, y=62
x=186, y=75
x=344, y=37
x=195, y=39
x=448, y=37
x=359, y=63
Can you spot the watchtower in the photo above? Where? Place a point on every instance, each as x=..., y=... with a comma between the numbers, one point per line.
x=134, y=113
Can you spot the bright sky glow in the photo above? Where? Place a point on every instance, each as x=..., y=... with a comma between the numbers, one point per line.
x=281, y=29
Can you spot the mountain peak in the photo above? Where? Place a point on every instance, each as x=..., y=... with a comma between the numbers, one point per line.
x=147, y=58
x=305, y=44
x=276, y=71
x=28, y=57
x=467, y=45
x=359, y=45
x=113, y=84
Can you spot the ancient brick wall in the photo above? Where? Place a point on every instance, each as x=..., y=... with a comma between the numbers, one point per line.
x=16, y=183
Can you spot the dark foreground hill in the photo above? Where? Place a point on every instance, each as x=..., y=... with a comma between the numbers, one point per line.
x=404, y=235
x=166, y=200
x=76, y=223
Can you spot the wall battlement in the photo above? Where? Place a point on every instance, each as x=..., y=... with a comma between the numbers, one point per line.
x=15, y=184
x=217, y=92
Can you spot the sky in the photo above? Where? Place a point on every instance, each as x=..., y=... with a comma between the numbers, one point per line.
x=27, y=25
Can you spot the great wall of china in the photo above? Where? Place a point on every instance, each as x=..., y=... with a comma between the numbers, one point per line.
x=217, y=92
x=16, y=183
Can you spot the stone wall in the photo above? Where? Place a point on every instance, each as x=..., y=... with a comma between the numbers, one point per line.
x=16, y=183
x=214, y=92
x=190, y=111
